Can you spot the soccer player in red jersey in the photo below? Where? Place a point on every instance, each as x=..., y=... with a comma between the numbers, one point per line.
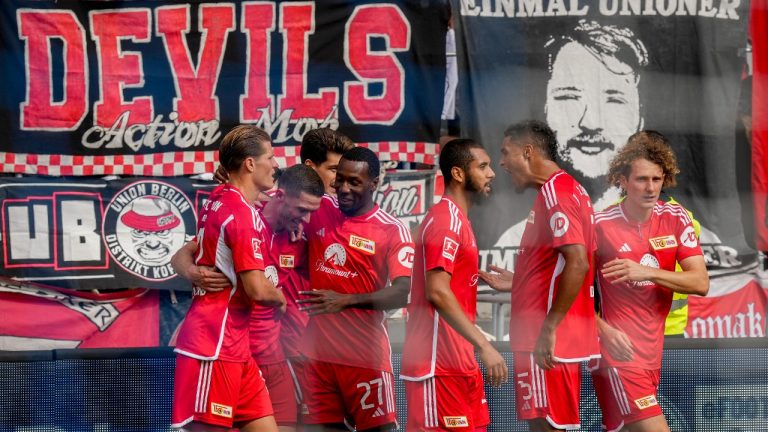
x=298, y=195
x=355, y=248
x=552, y=318
x=217, y=384
x=639, y=241
x=444, y=385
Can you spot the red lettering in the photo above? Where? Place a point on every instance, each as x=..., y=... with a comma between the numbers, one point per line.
x=196, y=85
x=39, y=110
x=257, y=23
x=120, y=69
x=388, y=22
x=297, y=22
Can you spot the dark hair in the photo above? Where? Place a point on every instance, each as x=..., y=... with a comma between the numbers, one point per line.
x=538, y=134
x=300, y=178
x=240, y=143
x=362, y=154
x=649, y=145
x=317, y=143
x=605, y=43
x=456, y=153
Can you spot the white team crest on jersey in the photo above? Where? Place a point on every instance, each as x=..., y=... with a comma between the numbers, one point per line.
x=559, y=223
x=271, y=273
x=335, y=254
x=688, y=237
x=649, y=260
x=405, y=256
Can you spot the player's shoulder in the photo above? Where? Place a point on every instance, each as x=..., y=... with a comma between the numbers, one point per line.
x=445, y=215
x=389, y=225
x=611, y=213
x=672, y=211
x=563, y=189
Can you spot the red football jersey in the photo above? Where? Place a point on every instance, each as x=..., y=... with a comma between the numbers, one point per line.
x=354, y=255
x=229, y=237
x=284, y=258
x=640, y=308
x=294, y=321
x=561, y=215
x=432, y=346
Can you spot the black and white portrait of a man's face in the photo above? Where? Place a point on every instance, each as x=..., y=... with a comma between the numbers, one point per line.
x=592, y=97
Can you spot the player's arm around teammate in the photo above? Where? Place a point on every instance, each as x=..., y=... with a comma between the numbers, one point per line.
x=322, y=301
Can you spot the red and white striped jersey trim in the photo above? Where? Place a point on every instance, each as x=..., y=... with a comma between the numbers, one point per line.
x=386, y=218
x=548, y=191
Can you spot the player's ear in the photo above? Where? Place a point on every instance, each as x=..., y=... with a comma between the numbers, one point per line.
x=457, y=174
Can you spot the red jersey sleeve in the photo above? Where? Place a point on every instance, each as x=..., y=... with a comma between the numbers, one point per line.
x=246, y=243
x=401, y=253
x=688, y=245
x=440, y=247
x=566, y=217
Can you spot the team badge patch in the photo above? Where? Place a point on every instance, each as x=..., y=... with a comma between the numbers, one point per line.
x=287, y=261
x=455, y=421
x=646, y=402
x=363, y=244
x=688, y=237
x=405, y=256
x=559, y=223
x=256, y=243
x=450, y=247
x=221, y=410
x=663, y=242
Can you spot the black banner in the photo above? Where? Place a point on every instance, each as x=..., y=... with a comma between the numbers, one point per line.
x=149, y=88
x=598, y=71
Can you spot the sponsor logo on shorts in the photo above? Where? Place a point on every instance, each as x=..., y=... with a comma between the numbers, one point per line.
x=455, y=421
x=221, y=410
x=287, y=261
x=646, y=402
x=559, y=223
x=450, y=248
x=363, y=244
x=664, y=242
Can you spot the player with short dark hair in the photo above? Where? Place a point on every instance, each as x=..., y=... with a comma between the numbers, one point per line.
x=217, y=384
x=552, y=320
x=298, y=195
x=444, y=385
x=639, y=241
x=355, y=248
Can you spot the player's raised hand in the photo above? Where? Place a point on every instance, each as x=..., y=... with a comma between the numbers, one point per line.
x=322, y=301
x=617, y=343
x=500, y=279
x=621, y=270
x=209, y=278
x=495, y=366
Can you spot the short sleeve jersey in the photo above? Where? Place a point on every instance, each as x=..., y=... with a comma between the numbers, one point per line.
x=561, y=215
x=284, y=259
x=432, y=346
x=354, y=255
x=640, y=308
x=230, y=237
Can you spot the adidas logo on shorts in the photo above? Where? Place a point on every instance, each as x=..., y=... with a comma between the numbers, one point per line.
x=378, y=413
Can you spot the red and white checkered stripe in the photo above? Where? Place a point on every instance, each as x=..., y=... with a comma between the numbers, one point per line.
x=183, y=163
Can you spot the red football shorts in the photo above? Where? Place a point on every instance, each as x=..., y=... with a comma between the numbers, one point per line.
x=447, y=403
x=296, y=368
x=282, y=392
x=334, y=394
x=626, y=395
x=549, y=394
x=218, y=392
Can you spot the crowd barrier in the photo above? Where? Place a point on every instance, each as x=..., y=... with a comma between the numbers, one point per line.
x=706, y=385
